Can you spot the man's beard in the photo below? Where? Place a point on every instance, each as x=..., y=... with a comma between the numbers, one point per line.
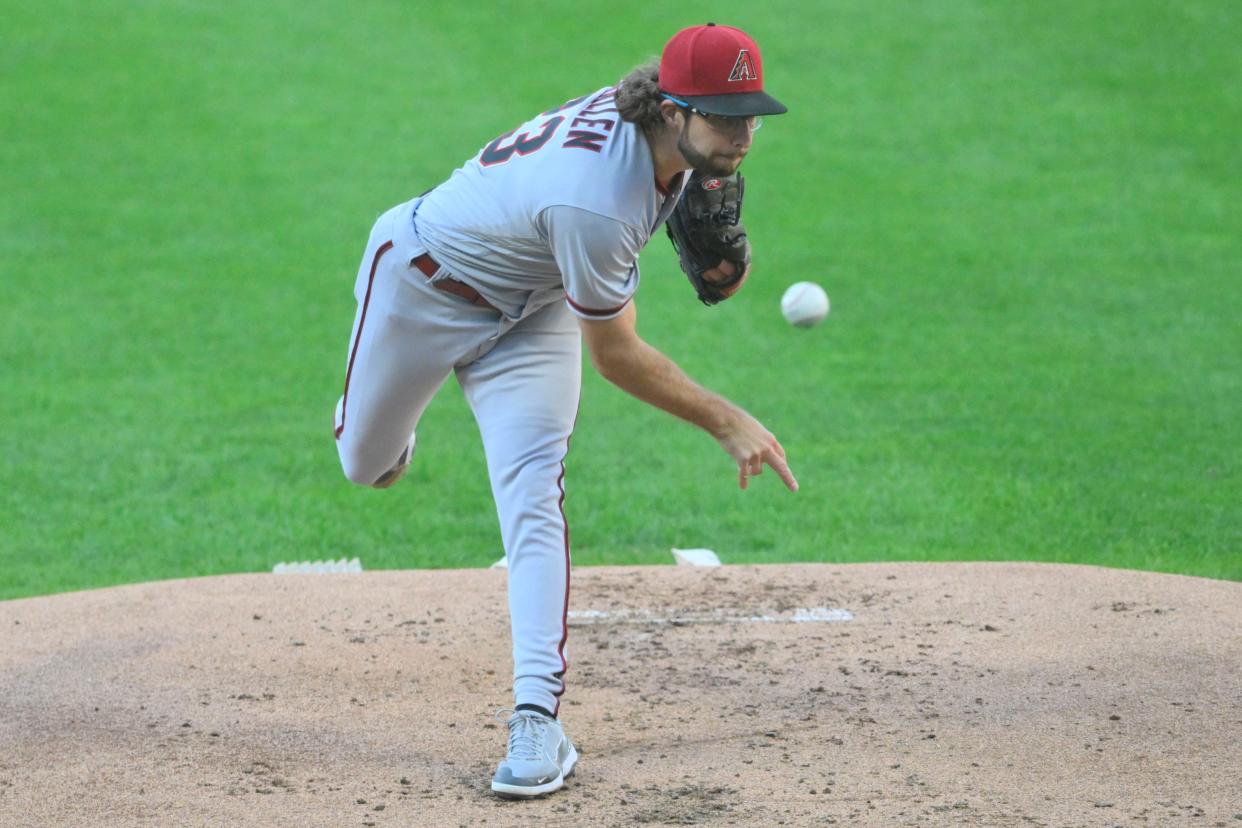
x=702, y=163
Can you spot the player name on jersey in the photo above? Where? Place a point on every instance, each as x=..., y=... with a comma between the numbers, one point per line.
x=591, y=117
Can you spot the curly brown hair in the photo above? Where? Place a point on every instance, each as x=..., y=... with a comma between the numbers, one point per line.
x=638, y=95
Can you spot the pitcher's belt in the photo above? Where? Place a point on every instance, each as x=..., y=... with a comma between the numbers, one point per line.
x=430, y=266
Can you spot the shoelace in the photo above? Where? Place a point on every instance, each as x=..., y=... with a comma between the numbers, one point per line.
x=526, y=734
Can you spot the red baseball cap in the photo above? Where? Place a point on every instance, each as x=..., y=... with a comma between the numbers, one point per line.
x=718, y=70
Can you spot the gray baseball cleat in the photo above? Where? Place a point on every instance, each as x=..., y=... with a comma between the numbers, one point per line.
x=540, y=757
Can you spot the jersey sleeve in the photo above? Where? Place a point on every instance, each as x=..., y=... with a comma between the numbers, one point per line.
x=597, y=257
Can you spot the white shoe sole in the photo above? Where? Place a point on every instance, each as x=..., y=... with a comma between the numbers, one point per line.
x=530, y=791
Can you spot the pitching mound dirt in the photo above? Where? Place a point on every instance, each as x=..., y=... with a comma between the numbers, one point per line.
x=885, y=695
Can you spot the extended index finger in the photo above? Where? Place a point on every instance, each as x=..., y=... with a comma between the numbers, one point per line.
x=778, y=464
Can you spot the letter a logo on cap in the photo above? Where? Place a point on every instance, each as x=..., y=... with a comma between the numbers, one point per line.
x=743, y=68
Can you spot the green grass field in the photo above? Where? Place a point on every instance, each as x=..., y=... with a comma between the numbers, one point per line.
x=1028, y=216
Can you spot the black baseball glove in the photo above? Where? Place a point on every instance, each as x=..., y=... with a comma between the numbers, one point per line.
x=706, y=230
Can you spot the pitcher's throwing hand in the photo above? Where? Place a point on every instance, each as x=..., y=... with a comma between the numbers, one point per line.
x=753, y=446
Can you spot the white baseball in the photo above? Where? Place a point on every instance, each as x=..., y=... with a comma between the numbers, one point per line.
x=804, y=304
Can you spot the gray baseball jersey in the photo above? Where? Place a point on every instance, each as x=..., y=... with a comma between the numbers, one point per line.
x=560, y=206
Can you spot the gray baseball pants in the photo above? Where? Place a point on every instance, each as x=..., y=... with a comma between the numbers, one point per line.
x=522, y=379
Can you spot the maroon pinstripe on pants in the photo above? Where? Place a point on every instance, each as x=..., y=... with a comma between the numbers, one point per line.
x=362, y=320
x=560, y=650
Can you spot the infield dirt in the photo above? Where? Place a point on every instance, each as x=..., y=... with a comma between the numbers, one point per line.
x=868, y=694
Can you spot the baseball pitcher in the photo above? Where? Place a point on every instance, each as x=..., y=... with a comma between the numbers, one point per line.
x=499, y=274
